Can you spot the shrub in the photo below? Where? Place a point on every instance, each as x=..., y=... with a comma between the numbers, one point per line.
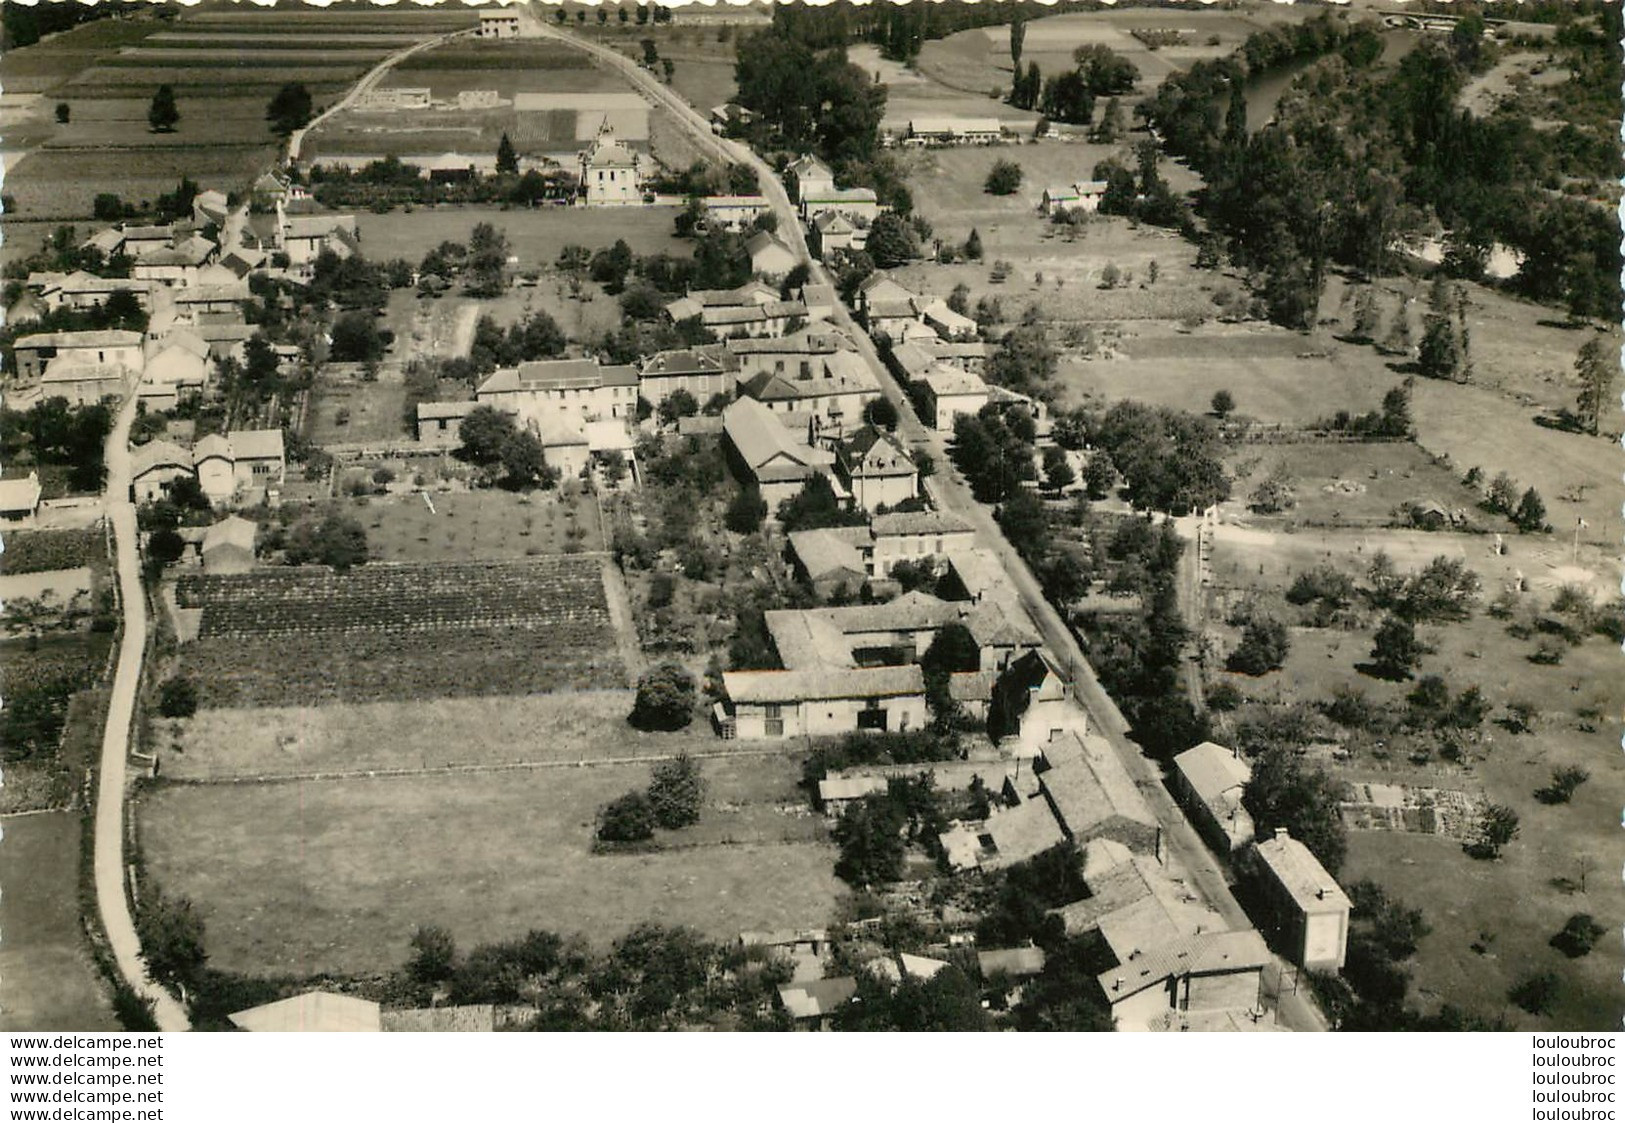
x=1578, y=936
x=171, y=934
x=1562, y=786
x=665, y=699
x=1322, y=583
x=1497, y=827
x=1264, y=646
x=434, y=955
x=677, y=792
x=1535, y=993
x=177, y=697
x=630, y=818
x=1224, y=697
x=1004, y=179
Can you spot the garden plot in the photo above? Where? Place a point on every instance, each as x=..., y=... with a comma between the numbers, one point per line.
x=535, y=236
x=401, y=631
x=489, y=524
x=1417, y=810
x=335, y=876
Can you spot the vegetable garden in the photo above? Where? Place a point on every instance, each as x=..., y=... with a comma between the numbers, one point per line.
x=488, y=628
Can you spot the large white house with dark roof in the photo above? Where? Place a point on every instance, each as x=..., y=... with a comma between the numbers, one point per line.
x=574, y=391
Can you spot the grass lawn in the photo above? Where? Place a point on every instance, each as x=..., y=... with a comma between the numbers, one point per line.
x=1351, y=484
x=51, y=981
x=478, y=525
x=536, y=236
x=336, y=876
x=567, y=726
x=346, y=409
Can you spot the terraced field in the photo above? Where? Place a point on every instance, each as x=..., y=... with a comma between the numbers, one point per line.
x=223, y=65
x=402, y=631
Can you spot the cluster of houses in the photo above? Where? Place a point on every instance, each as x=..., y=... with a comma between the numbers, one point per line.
x=244, y=468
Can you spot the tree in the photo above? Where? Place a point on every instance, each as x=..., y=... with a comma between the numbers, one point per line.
x=1578, y=935
x=667, y=69
x=523, y=459
x=63, y=112
x=677, y=792
x=1058, y=473
x=1112, y=125
x=108, y=207
x=1004, y=179
x=1530, y=514
x=434, y=955
x=356, y=338
x=487, y=258
x=163, y=114
x=1497, y=826
x=165, y=547
x=507, y=158
x=815, y=507
x=1067, y=98
x=678, y=404
x=1018, y=39
x=171, y=935
x=1103, y=71
x=1536, y=993
x=1395, y=650
x=1099, y=475
x=1287, y=790
x=1564, y=783
x=631, y=818
x=665, y=699
x=1224, y=403
x=334, y=540
x=882, y=414
x=177, y=697
x=651, y=54
x=870, y=837
x=973, y=246
x=484, y=432
x=290, y=109
x=1263, y=648
x=892, y=242
x=746, y=512
x=1597, y=371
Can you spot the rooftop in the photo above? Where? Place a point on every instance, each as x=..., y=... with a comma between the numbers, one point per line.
x=20, y=495
x=1208, y=953
x=830, y=551
x=557, y=374
x=760, y=437
x=1011, y=961
x=1301, y=874
x=312, y=1012
x=232, y=531
x=818, y=998
x=87, y=339
x=1211, y=770
x=903, y=523
x=811, y=685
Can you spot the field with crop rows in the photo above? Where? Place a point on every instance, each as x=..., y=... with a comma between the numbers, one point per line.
x=402, y=631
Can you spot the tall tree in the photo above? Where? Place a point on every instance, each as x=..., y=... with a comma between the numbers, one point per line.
x=1598, y=369
x=163, y=114
x=507, y=158
x=1018, y=39
x=290, y=109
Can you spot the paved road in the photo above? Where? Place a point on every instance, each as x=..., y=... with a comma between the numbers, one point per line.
x=296, y=139
x=954, y=494
x=111, y=900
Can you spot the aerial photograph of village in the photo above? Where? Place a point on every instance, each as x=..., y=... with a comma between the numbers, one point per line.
x=941, y=516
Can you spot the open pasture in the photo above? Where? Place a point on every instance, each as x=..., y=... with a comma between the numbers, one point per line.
x=51, y=981
x=1352, y=484
x=480, y=525
x=567, y=727
x=336, y=876
x=536, y=236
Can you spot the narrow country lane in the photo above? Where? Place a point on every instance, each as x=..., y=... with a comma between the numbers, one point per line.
x=111, y=899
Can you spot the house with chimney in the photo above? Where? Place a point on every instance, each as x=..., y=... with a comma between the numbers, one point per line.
x=574, y=391
x=1307, y=910
x=1208, y=782
x=876, y=469
x=701, y=372
x=765, y=452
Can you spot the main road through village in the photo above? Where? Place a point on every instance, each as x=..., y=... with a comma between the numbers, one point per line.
x=953, y=494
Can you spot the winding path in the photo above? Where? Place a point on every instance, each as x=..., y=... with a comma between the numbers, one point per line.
x=112, y=901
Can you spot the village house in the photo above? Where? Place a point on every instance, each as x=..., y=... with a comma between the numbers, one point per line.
x=1210, y=980
x=154, y=466
x=764, y=452
x=770, y=255
x=734, y=212
x=304, y=237
x=498, y=23
x=889, y=310
x=1308, y=909
x=725, y=119
x=210, y=208
x=1084, y=196
x=953, y=131
x=836, y=793
x=1092, y=793
x=574, y=391
x=812, y=179
x=753, y=293
x=225, y=333
x=895, y=632
x=175, y=265
x=565, y=446
x=245, y=467
x=228, y=546
x=820, y=301
x=829, y=561
x=132, y=241
x=806, y=373
x=176, y=367
x=794, y=355
x=876, y=468
x=441, y=423
x=921, y=352
x=772, y=705
x=1208, y=782
x=611, y=173
x=82, y=291
x=814, y=1004
x=20, y=498
x=913, y=536
x=859, y=204
x=83, y=348
x=1032, y=706
x=312, y=1012
x=832, y=232
x=947, y=323
x=697, y=371
x=754, y=312
x=951, y=393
